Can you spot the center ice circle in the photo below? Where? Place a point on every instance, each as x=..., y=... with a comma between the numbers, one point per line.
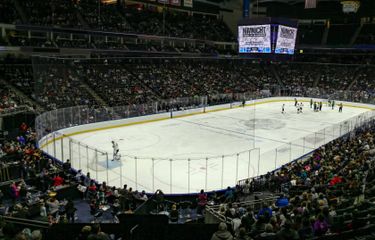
x=264, y=123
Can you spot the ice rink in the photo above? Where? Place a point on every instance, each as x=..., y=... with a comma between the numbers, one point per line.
x=210, y=150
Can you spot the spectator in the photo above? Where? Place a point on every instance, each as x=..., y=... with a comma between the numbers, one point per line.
x=242, y=234
x=287, y=232
x=97, y=232
x=222, y=233
x=282, y=201
x=306, y=232
x=67, y=166
x=173, y=215
x=14, y=192
x=70, y=211
x=53, y=204
x=85, y=232
x=320, y=226
x=36, y=235
x=202, y=201
x=43, y=210
x=57, y=180
x=229, y=195
x=268, y=234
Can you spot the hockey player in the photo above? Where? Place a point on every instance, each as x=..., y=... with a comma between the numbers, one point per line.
x=115, y=150
x=315, y=107
x=297, y=107
x=295, y=102
x=300, y=107
x=311, y=103
x=340, y=107
x=333, y=104
x=320, y=106
x=283, y=109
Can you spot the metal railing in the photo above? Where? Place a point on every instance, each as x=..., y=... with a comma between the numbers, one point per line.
x=214, y=215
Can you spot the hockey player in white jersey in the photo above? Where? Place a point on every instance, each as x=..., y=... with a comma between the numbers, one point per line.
x=115, y=151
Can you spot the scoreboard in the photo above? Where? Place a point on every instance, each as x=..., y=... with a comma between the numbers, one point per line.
x=270, y=37
x=254, y=39
x=286, y=40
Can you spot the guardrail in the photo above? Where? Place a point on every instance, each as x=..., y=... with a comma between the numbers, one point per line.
x=26, y=222
x=213, y=215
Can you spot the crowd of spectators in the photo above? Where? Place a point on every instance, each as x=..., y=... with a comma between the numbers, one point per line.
x=38, y=191
x=19, y=75
x=323, y=194
x=367, y=35
x=51, y=13
x=61, y=87
x=9, y=100
x=8, y=12
x=351, y=82
x=363, y=86
x=116, y=84
x=116, y=18
x=6, y=100
x=122, y=81
x=103, y=16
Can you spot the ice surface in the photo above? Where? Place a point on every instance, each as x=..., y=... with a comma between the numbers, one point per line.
x=222, y=146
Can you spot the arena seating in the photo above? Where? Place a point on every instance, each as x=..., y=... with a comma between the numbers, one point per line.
x=148, y=80
x=367, y=34
x=88, y=14
x=60, y=92
x=55, y=12
x=8, y=100
x=116, y=84
x=341, y=34
x=324, y=189
x=311, y=34
x=8, y=12
x=20, y=76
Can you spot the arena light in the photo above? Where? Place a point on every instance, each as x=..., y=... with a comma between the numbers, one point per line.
x=350, y=6
x=109, y=1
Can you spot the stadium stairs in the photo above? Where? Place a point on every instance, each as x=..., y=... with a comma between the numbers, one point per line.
x=20, y=11
x=96, y=97
x=157, y=96
x=27, y=99
x=355, y=79
x=81, y=19
x=274, y=72
x=356, y=33
x=317, y=79
x=325, y=36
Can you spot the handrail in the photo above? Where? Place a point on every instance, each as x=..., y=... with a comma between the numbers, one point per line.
x=213, y=209
x=151, y=198
x=16, y=110
x=25, y=222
